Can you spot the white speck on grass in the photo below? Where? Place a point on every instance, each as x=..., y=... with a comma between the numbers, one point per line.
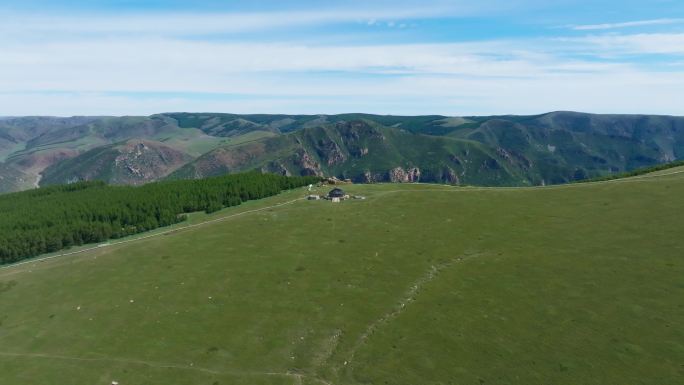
x=131, y=301
x=78, y=308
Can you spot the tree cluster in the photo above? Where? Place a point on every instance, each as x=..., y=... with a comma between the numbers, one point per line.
x=57, y=217
x=636, y=172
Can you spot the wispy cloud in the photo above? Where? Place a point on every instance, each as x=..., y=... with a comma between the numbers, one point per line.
x=196, y=66
x=640, y=44
x=175, y=24
x=523, y=76
x=627, y=24
x=624, y=91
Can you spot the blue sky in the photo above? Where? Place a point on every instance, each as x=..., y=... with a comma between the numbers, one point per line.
x=388, y=57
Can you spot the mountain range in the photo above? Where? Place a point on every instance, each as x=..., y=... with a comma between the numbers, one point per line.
x=551, y=148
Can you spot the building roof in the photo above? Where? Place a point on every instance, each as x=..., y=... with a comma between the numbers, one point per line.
x=336, y=192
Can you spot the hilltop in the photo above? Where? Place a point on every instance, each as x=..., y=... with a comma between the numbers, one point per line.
x=568, y=284
x=551, y=148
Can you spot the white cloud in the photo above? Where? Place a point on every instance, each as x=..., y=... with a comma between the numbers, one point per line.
x=161, y=65
x=100, y=73
x=483, y=78
x=188, y=24
x=647, y=43
x=620, y=92
x=639, y=23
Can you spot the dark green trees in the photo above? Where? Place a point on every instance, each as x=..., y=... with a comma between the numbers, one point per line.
x=53, y=218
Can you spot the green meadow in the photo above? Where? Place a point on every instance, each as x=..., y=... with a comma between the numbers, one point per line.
x=416, y=284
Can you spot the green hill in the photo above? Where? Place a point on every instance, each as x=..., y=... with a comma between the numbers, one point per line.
x=365, y=152
x=417, y=284
x=515, y=150
x=567, y=146
x=135, y=161
x=552, y=148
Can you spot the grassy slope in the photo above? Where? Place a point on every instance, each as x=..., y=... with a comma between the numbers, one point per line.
x=9, y=149
x=12, y=179
x=577, y=284
x=202, y=144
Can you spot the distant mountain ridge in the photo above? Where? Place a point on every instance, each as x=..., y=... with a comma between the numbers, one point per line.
x=136, y=161
x=550, y=148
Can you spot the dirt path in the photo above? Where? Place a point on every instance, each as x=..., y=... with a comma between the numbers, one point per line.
x=408, y=297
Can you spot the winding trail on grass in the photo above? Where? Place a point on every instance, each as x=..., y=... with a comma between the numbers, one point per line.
x=408, y=297
x=170, y=231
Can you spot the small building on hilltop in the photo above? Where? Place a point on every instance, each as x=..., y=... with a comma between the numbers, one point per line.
x=336, y=193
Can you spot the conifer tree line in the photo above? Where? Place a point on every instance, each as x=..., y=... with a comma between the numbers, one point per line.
x=635, y=172
x=57, y=217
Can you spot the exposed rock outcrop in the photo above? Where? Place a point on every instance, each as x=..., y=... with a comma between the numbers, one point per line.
x=276, y=168
x=514, y=158
x=451, y=177
x=400, y=175
x=335, y=155
x=369, y=177
x=308, y=165
x=136, y=161
x=358, y=151
x=144, y=163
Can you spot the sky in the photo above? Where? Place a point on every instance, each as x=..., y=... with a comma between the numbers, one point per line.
x=403, y=57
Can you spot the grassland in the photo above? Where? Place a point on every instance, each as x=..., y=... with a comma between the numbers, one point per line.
x=417, y=284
